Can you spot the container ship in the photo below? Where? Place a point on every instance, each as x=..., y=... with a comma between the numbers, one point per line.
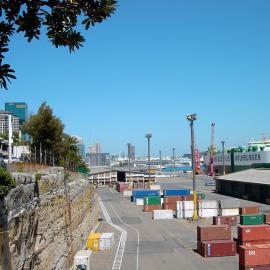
x=255, y=155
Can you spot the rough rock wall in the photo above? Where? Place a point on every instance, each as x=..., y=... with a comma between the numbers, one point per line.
x=49, y=220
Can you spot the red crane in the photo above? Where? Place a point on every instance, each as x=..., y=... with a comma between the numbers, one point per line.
x=212, y=151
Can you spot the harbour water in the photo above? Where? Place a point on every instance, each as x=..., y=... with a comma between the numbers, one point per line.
x=177, y=169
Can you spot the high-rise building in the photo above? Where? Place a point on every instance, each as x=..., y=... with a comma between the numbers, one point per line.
x=81, y=146
x=132, y=155
x=98, y=159
x=19, y=109
x=5, y=128
x=95, y=148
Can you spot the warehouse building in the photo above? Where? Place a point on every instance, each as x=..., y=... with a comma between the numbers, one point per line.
x=252, y=184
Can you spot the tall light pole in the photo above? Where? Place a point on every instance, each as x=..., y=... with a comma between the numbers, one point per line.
x=191, y=118
x=223, y=157
x=128, y=145
x=148, y=137
x=173, y=161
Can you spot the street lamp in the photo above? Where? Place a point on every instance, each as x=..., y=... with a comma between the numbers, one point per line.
x=223, y=157
x=160, y=161
x=148, y=137
x=191, y=118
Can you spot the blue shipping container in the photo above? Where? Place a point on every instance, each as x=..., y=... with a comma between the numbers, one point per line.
x=145, y=193
x=176, y=192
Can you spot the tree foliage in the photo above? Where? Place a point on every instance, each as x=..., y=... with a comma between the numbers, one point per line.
x=45, y=129
x=6, y=182
x=60, y=18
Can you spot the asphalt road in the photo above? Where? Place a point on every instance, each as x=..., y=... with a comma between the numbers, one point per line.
x=161, y=244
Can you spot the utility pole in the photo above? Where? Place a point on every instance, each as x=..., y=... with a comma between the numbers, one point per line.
x=148, y=137
x=191, y=118
x=223, y=157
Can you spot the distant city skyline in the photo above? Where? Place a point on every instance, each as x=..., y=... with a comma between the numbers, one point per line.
x=138, y=76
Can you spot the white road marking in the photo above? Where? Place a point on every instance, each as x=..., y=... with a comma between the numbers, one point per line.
x=122, y=242
x=138, y=234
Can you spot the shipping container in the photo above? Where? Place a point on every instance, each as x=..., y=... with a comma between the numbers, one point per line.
x=93, y=241
x=254, y=232
x=251, y=219
x=251, y=210
x=250, y=243
x=229, y=212
x=151, y=207
x=208, y=204
x=176, y=192
x=206, y=213
x=171, y=206
x=225, y=220
x=218, y=248
x=254, y=255
x=139, y=201
x=229, y=203
x=127, y=193
x=155, y=187
x=201, y=196
x=82, y=259
x=187, y=205
x=172, y=199
x=106, y=241
x=213, y=232
x=187, y=213
x=152, y=200
x=266, y=217
x=162, y=214
x=179, y=214
x=187, y=198
x=145, y=192
x=121, y=186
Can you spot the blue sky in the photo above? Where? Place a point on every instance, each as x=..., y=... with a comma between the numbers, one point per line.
x=148, y=66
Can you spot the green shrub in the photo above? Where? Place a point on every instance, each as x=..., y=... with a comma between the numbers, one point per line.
x=6, y=182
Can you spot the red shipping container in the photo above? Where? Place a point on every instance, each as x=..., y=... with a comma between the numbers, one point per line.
x=254, y=255
x=151, y=207
x=250, y=243
x=251, y=210
x=199, y=247
x=266, y=217
x=218, y=248
x=187, y=198
x=213, y=232
x=257, y=267
x=172, y=199
x=225, y=220
x=169, y=206
x=253, y=232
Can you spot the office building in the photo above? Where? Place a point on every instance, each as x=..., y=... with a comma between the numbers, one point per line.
x=81, y=146
x=5, y=126
x=19, y=109
x=98, y=159
x=95, y=148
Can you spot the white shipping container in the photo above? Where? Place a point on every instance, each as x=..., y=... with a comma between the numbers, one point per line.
x=229, y=212
x=140, y=201
x=188, y=205
x=179, y=214
x=127, y=193
x=82, y=259
x=188, y=213
x=162, y=201
x=205, y=213
x=208, y=204
x=106, y=241
x=179, y=206
x=155, y=187
x=162, y=214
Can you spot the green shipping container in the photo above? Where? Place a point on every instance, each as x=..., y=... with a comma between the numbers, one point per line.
x=201, y=196
x=251, y=219
x=152, y=200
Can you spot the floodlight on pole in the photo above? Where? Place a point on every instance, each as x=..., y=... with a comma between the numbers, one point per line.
x=191, y=118
x=223, y=158
x=148, y=137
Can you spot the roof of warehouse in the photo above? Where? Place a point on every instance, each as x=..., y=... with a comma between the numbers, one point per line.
x=257, y=176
